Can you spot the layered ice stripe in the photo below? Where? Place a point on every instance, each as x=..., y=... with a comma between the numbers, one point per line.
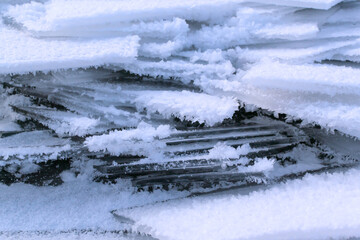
x=294, y=52
x=20, y=53
x=326, y=79
x=25, y=144
x=160, y=30
x=351, y=54
x=184, y=70
x=236, y=22
x=56, y=14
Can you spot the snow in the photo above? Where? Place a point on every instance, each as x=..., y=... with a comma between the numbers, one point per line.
x=260, y=165
x=69, y=235
x=287, y=30
x=161, y=50
x=7, y=115
x=42, y=17
x=298, y=57
x=79, y=126
x=25, y=144
x=223, y=151
x=319, y=4
x=28, y=167
x=139, y=141
x=292, y=54
x=93, y=12
x=78, y=204
x=316, y=207
x=21, y=53
x=187, y=105
x=184, y=70
x=324, y=94
x=329, y=80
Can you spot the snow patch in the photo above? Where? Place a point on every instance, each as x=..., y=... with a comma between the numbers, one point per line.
x=188, y=105
x=139, y=141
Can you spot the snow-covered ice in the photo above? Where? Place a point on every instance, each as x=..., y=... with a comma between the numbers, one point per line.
x=142, y=140
x=316, y=207
x=77, y=204
x=20, y=53
x=107, y=77
x=187, y=105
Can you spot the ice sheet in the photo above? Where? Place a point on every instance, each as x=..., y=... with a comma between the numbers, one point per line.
x=36, y=16
x=21, y=53
x=56, y=14
x=318, y=4
x=316, y=207
x=206, y=42
x=335, y=111
x=77, y=204
x=330, y=80
x=277, y=55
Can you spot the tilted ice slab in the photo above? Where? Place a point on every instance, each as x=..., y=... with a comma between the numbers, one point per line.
x=186, y=105
x=190, y=40
x=7, y=116
x=76, y=204
x=56, y=14
x=326, y=79
x=159, y=30
x=349, y=13
x=340, y=111
x=294, y=52
x=25, y=144
x=327, y=95
x=185, y=70
x=253, y=25
x=163, y=33
x=351, y=54
x=66, y=123
x=307, y=208
x=139, y=141
x=317, y=4
x=20, y=53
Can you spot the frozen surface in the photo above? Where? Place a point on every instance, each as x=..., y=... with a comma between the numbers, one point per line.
x=196, y=61
x=317, y=207
x=77, y=204
x=330, y=80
